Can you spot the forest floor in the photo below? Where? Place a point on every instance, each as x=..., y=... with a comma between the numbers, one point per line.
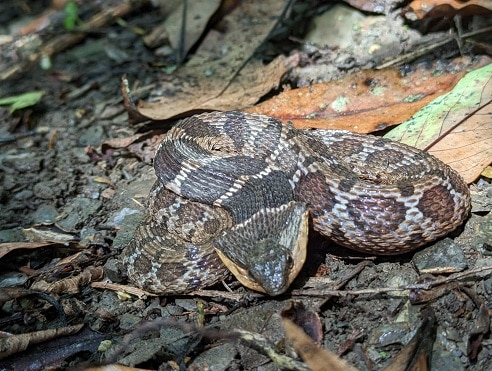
x=75, y=169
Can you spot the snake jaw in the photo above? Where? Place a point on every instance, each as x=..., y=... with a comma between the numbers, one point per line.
x=271, y=263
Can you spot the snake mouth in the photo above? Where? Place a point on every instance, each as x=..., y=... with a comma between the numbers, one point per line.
x=271, y=263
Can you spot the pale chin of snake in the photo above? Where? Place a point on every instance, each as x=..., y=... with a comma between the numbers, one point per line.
x=238, y=192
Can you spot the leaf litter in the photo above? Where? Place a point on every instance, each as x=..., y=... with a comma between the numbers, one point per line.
x=350, y=315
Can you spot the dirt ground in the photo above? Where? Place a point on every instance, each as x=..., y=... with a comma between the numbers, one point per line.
x=61, y=181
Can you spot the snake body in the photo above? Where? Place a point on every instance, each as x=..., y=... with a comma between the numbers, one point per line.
x=236, y=190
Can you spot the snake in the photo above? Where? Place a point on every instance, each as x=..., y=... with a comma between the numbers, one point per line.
x=238, y=192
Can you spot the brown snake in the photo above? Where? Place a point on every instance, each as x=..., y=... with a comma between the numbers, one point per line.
x=239, y=190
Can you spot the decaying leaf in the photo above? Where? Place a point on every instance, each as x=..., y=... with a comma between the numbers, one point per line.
x=219, y=72
x=420, y=296
x=456, y=127
x=307, y=320
x=363, y=102
x=57, y=350
x=481, y=324
x=11, y=293
x=316, y=357
x=416, y=355
x=7, y=247
x=448, y=9
x=126, y=141
x=481, y=328
x=70, y=285
x=143, y=145
x=183, y=36
x=436, y=15
x=17, y=343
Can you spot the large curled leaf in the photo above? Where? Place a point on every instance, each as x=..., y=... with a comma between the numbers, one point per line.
x=457, y=126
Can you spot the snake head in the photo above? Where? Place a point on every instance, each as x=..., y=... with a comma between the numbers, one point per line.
x=266, y=253
x=270, y=267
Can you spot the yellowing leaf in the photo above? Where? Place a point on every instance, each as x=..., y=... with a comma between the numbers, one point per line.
x=456, y=127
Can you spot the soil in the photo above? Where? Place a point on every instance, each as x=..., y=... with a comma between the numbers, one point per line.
x=60, y=181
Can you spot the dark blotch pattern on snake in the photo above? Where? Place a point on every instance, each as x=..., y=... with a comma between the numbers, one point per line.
x=237, y=190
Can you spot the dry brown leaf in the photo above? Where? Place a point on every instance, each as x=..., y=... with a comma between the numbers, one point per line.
x=307, y=320
x=73, y=259
x=17, y=343
x=7, y=247
x=475, y=342
x=449, y=8
x=416, y=355
x=70, y=285
x=142, y=145
x=254, y=81
x=198, y=14
x=468, y=148
x=316, y=357
x=195, y=95
x=479, y=331
x=457, y=126
x=218, y=76
x=364, y=102
x=126, y=141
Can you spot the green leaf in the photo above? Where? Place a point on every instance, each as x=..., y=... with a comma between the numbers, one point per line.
x=22, y=101
x=71, y=15
x=445, y=112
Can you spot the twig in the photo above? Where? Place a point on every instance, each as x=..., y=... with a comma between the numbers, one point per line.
x=62, y=42
x=381, y=290
x=426, y=49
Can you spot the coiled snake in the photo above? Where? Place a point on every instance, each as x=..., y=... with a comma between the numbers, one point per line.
x=239, y=190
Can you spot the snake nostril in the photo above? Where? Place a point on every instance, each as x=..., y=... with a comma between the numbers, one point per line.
x=251, y=276
x=290, y=261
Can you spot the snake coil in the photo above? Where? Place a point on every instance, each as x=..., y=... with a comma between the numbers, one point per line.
x=238, y=190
